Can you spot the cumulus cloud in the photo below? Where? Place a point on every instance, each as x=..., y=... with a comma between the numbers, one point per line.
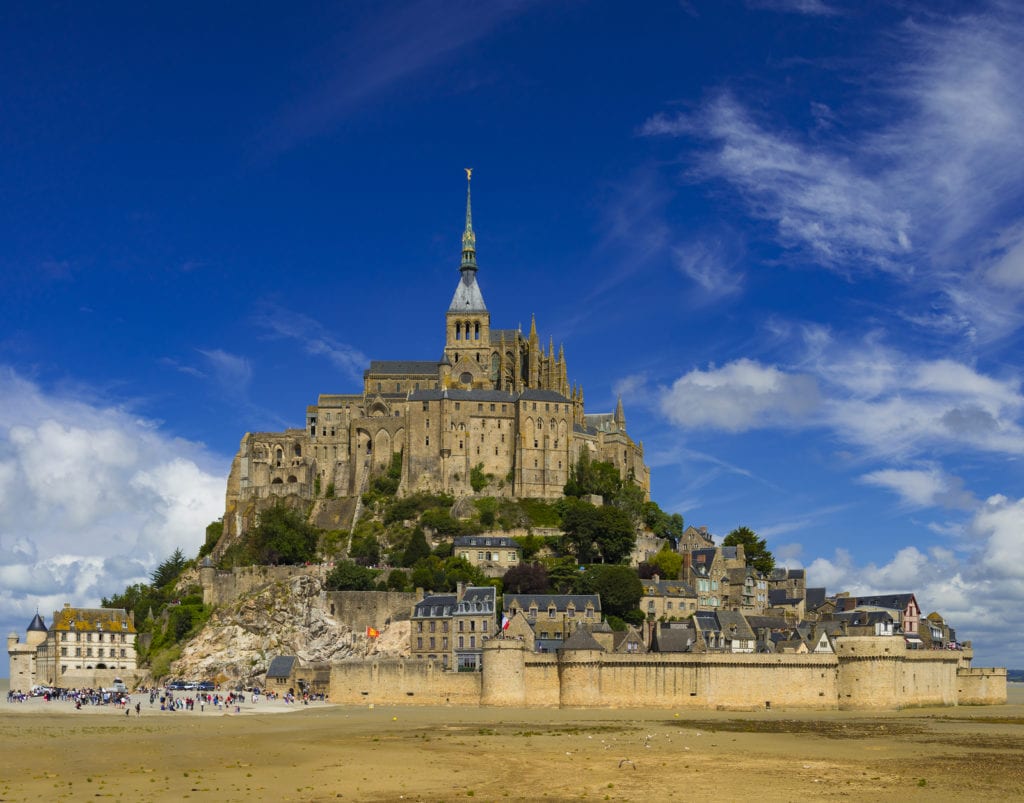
x=978, y=585
x=92, y=497
x=739, y=396
x=922, y=487
x=882, y=400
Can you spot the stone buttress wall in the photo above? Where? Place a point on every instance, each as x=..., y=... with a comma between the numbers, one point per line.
x=362, y=609
x=220, y=588
x=981, y=686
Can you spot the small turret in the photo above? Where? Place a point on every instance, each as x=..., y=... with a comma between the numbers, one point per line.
x=620, y=415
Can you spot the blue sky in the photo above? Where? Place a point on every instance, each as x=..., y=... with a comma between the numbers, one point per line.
x=790, y=233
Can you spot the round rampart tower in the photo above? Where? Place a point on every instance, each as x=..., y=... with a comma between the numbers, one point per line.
x=579, y=677
x=869, y=671
x=504, y=673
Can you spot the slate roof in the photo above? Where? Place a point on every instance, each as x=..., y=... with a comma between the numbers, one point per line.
x=435, y=605
x=814, y=597
x=674, y=637
x=37, y=623
x=460, y=394
x=780, y=596
x=581, y=640
x=484, y=596
x=510, y=335
x=896, y=602
x=524, y=602
x=535, y=394
x=734, y=625
x=402, y=367
x=281, y=666
x=468, y=297
x=770, y=622
x=602, y=422
x=486, y=541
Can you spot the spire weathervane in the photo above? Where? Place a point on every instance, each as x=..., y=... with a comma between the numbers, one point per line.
x=468, y=237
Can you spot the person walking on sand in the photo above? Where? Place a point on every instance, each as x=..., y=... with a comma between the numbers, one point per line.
x=138, y=709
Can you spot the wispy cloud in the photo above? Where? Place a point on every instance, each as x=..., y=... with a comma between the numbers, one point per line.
x=815, y=8
x=378, y=54
x=920, y=195
x=276, y=321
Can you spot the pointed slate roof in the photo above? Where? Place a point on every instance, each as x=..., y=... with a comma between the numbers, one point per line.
x=581, y=640
x=37, y=623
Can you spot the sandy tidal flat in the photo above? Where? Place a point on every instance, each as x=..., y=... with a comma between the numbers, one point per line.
x=322, y=752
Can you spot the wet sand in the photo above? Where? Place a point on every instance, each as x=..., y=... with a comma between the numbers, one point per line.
x=322, y=752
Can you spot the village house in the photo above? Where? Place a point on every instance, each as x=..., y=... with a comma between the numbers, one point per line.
x=452, y=628
x=491, y=554
x=553, y=617
x=667, y=599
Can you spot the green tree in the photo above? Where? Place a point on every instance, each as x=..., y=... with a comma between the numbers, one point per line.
x=593, y=477
x=563, y=575
x=616, y=536
x=349, y=576
x=667, y=562
x=397, y=580
x=477, y=478
x=755, y=548
x=526, y=578
x=416, y=549
x=168, y=571
x=284, y=537
x=580, y=524
x=619, y=587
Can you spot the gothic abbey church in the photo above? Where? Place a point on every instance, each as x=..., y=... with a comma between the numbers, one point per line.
x=494, y=399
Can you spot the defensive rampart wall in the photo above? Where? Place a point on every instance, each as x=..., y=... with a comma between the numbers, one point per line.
x=865, y=673
x=398, y=682
x=981, y=686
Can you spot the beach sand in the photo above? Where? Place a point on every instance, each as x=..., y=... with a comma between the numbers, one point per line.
x=387, y=753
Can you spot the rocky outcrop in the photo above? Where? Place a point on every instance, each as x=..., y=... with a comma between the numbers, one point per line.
x=285, y=617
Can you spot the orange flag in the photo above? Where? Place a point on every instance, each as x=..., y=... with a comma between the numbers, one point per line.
x=372, y=632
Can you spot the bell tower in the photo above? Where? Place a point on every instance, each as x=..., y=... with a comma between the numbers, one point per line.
x=467, y=322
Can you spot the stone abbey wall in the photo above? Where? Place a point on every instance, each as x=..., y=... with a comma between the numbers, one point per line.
x=866, y=673
x=377, y=609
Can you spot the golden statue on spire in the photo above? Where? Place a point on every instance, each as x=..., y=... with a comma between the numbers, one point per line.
x=469, y=173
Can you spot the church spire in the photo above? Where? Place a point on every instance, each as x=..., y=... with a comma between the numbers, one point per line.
x=468, y=237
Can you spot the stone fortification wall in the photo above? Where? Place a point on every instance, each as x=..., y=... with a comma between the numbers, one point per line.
x=876, y=672
x=866, y=673
x=402, y=683
x=981, y=686
x=363, y=609
x=220, y=587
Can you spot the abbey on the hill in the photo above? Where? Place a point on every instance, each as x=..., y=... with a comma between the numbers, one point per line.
x=495, y=404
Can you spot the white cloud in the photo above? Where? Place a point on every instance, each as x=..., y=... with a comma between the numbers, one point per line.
x=978, y=587
x=314, y=337
x=711, y=263
x=917, y=190
x=91, y=499
x=739, y=396
x=231, y=372
x=816, y=8
x=922, y=487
